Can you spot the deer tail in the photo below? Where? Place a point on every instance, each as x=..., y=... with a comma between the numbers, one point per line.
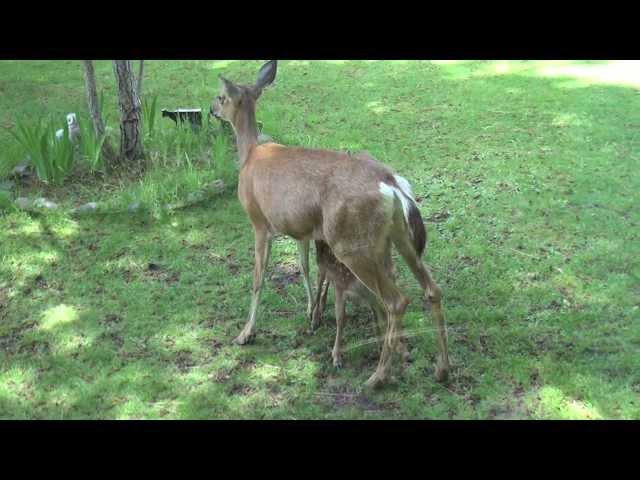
x=401, y=189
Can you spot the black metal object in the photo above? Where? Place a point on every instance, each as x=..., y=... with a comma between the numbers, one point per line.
x=192, y=115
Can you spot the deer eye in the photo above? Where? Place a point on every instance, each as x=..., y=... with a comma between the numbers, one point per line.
x=221, y=99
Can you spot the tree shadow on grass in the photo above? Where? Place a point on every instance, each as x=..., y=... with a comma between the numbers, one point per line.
x=106, y=354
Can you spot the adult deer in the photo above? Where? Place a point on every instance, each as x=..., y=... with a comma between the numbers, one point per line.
x=352, y=202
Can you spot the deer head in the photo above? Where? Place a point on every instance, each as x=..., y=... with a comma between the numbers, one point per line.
x=234, y=98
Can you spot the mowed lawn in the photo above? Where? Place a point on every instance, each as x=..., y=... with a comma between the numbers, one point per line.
x=527, y=176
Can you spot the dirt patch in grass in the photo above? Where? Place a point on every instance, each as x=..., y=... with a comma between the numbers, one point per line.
x=113, y=337
x=274, y=336
x=215, y=346
x=480, y=345
x=158, y=272
x=342, y=395
x=438, y=217
x=229, y=260
x=184, y=361
x=284, y=275
x=462, y=384
x=112, y=323
x=12, y=342
x=514, y=410
x=33, y=347
x=38, y=283
x=244, y=364
x=111, y=319
x=221, y=376
x=241, y=389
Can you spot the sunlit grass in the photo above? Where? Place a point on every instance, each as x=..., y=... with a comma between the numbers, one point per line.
x=619, y=72
x=377, y=107
x=554, y=403
x=57, y=316
x=582, y=74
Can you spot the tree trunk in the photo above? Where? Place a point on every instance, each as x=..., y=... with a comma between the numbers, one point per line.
x=108, y=154
x=130, y=138
x=140, y=79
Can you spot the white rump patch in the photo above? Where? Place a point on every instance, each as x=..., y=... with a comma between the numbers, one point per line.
x=393, y=192
x=387, y=190
x=404, y=185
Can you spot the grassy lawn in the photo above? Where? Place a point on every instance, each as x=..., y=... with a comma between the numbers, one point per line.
x=527, y=178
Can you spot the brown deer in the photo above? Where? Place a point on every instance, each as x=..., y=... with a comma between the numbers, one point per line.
x=353, y=203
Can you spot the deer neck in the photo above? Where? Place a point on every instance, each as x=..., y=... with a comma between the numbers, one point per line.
x=246, y=131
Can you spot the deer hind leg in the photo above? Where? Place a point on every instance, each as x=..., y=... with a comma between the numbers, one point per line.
x=432, y=297
x=401, y=346
x=262, y=252
x=321, y=298
x=380, y=318
x=303, y=260
x=373, y=275
x=336, y=354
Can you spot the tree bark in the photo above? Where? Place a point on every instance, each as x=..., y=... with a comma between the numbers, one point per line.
x=140, y=79
x=108, y=154
x=130, y=139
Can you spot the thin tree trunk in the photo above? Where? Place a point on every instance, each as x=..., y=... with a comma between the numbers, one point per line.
x=130, y=138
x=108, y=154
x=140, y=79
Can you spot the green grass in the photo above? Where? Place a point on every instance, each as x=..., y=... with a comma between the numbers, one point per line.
x=527, y=175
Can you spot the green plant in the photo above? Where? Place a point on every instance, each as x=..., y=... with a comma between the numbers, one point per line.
x=149, y=114
x=52, y=158
x=101, y=101
x=5, y=201
x=91, y=146
x=177, y=141
x=10, y=158
x=223, y=160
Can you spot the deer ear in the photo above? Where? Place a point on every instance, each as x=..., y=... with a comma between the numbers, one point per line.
x=229, y=87
x=266, y=76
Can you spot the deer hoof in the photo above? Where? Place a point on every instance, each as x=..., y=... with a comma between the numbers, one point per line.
x=407, y=357
x=244, y=338
x=442, y=373
x=404, y=352
x=337, y=361
x=375, y=381
x=315, y=323
x=426, y=305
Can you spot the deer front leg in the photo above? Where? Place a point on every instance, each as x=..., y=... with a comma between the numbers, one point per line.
x=303, y=260
x=262, y=251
